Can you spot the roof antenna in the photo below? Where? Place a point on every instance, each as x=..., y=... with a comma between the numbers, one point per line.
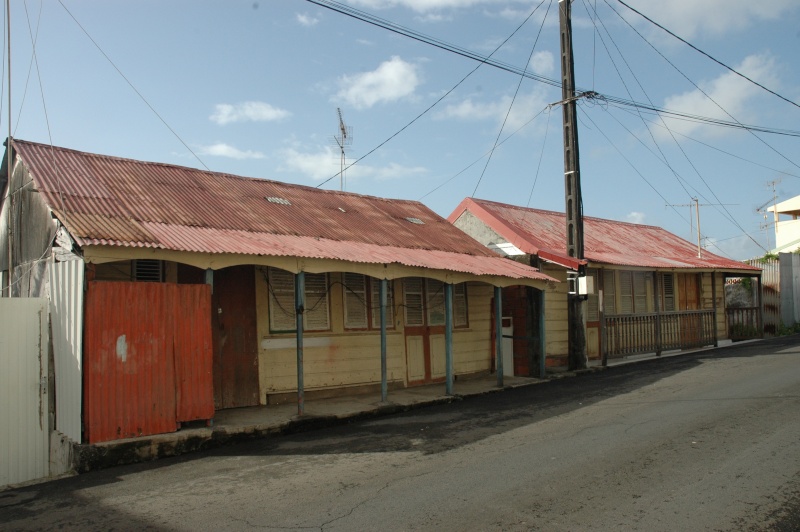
x=343, y=139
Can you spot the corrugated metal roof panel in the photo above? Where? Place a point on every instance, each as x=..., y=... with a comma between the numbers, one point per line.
x=121, y=202
x=605, y=241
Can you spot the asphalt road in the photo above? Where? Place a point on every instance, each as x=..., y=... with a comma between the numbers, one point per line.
x=705, y=441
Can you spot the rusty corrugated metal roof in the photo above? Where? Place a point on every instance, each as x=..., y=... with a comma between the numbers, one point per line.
x=543, y=233
x=111, y=201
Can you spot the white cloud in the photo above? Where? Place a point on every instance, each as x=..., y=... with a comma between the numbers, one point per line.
x=526, y=106
x=225, y=113
x=325, y=163
x=731, y=92
x=689, y=18
x=391, y=81
x=542, y=63
x=226, y=150
x=306, y=20
x=635, y=217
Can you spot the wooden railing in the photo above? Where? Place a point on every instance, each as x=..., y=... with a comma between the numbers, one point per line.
x=743, y=323
x=629, y=334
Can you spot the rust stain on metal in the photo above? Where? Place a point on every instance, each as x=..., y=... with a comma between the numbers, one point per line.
x=121, y=202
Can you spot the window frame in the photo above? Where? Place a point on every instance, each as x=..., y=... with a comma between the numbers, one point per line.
x=429, y=306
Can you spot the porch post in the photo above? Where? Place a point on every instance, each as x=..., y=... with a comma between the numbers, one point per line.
x=299, y=290
x=498, y=324
x=542, y=343
x=448, y=337
x=714, y=306
x=601, y=307
x=657, y=300
x=759, y=278
x=384, y=385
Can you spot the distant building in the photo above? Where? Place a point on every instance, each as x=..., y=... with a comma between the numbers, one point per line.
x=787, y=225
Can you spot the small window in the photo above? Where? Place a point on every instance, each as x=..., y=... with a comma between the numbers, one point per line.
x=626, y=292
x=609, y=292
x=592, y=300
x=148, y=270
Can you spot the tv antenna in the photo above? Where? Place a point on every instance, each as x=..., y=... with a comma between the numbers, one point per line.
x=344, y=139
x=763, y=208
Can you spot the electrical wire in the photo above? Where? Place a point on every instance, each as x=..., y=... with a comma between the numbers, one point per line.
x=541, y=156
x=695, y=48
x=130, y=84
x=516, y=93
x=420, y=115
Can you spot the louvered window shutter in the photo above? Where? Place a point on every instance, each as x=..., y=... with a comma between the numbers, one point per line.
x=609, y=292
x=375, y=300
x=355, y=301
x=460, y=315
x=281, y=301
x=668, y=288
x=593, y=301
x=316, y=316
x=626, y=292
x=435, y=301
x=640, y=292
x=412, y=300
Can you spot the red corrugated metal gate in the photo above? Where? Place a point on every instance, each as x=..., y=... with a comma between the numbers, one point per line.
x=147, y=358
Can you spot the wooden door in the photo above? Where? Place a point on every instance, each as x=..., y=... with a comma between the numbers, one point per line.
x=235, y=338
x=689, y=299
x=425, y=347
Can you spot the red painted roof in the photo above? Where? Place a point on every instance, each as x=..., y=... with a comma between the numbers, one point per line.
x=111, y=201
x=543, y=233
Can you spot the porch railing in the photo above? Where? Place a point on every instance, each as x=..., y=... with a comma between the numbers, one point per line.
x=631, y=334
x=743, y=323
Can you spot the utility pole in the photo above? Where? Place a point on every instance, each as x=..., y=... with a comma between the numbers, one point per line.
x=572, y=187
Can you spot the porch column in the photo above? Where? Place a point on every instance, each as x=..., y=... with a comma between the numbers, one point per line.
x=498, y=325
x=299, y=290
x=448, y=337
x=384, y=385
x=210, y=279
x=601, y=308
x=542, y=343
x=759, y=278
x=657, y=300
x=714, y=306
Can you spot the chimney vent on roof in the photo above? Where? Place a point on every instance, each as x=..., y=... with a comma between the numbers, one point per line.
x=415, y=220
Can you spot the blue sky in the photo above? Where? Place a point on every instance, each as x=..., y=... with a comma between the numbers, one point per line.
x=252, y=88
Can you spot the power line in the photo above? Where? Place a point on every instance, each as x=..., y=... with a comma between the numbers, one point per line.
x=434, y=104
x=516, y=92
x=133, y=87
x=684, y=41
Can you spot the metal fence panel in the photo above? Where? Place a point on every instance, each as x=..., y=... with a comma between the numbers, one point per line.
x=24, y=431
x=66, y=316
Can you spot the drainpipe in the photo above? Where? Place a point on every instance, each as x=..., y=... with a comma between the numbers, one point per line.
x=498, y=324
x=448, y=337
x=299, y=290
x=384, y=385
x=542, y=344
x=714, y=306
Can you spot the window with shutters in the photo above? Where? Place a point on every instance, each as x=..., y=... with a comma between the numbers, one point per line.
x=435, y=301
x=413, y=297
x=375, y=303
x=424, y=303
x=640, y=292
x=362, y=302
x=609, y=292
x=667, y=292
x=282, y=316
x=626, y=292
